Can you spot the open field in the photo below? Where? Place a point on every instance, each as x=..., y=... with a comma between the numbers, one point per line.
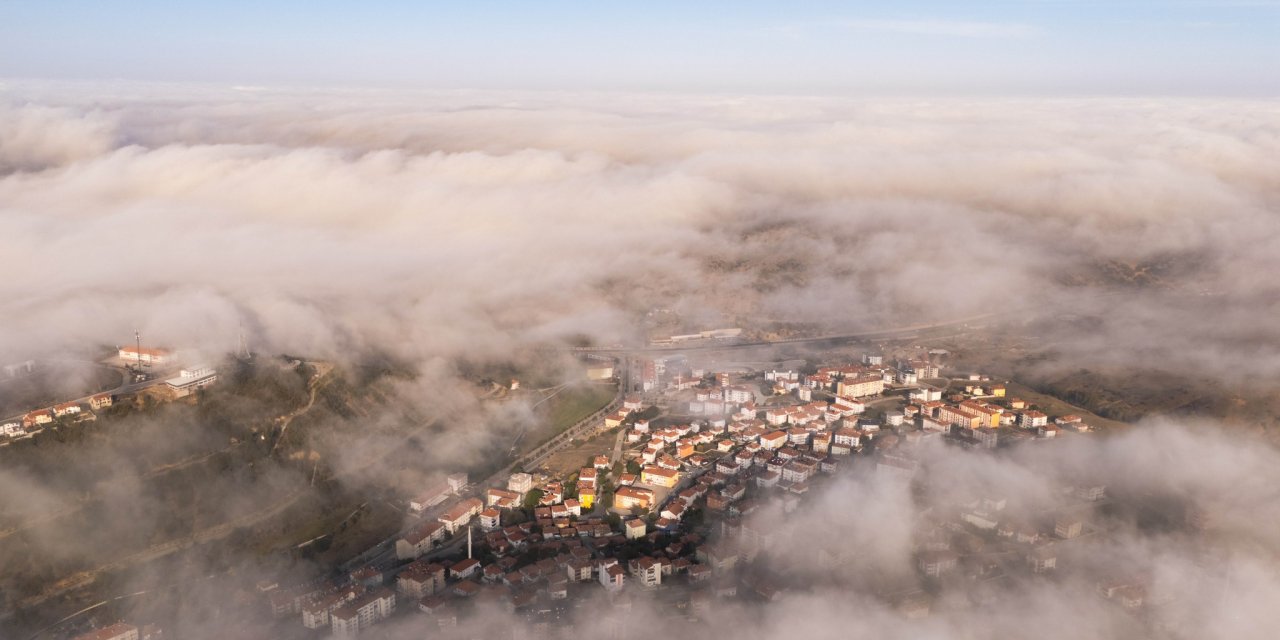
x=575, y=456
x=566, y=408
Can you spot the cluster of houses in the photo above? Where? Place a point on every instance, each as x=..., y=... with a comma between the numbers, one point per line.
x=528, y=564
x=720, y=465
x=33, y=422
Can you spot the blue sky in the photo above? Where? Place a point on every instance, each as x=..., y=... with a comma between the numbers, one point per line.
x=1062, y=47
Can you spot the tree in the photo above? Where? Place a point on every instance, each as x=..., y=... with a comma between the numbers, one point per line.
x=532, y=498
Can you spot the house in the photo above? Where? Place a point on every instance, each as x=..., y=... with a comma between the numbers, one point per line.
x=352, y=618
x=37, y=417
x=773, y=440
x=936, y=563
x=117, y=631
x=100, y=401
x=460, y=514
x=457, y=481
x=66, y=409
x=673, y=511
x=502, y=498
x=586, y=498
x=632, y=497
x=635, y=528
x=464, y=569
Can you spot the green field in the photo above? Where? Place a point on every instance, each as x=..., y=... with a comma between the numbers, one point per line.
x=570, y=406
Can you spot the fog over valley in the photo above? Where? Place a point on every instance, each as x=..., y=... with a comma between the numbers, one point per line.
x=400, y=286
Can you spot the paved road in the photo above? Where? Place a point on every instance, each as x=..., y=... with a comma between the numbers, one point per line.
x=860, y=335
x=125, y=387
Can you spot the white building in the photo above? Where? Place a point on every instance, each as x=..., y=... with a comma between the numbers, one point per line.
x=520, y=483
x=189, y=380
x=144, y=355
x=350, y=619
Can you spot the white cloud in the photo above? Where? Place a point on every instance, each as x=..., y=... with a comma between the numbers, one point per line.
x=952, y=28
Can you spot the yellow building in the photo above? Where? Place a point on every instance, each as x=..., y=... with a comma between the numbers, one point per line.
x=659, y=476
x=586, y=498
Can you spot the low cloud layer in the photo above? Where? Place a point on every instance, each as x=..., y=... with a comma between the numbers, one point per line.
x=336, y=224
x=451, y=228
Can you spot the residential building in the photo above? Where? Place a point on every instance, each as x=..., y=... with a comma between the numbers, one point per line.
x=1067, y=527
x=464, y=569
x=520, y=483
x=352, y=618
x=612, y=577
x=420, y=579
x=66, y=409
x=432, y=496
x=632, y=498
x=419, y=540
x=860, y=386
x=659, y=476
x=647, y=571
x=461, y=513
x=1032, y=419
x=117, y=631
x=490, y=519
x=635, y=528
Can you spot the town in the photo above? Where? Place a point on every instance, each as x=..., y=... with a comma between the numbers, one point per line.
x=665, y=505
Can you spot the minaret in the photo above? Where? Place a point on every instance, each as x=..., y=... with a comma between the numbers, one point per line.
x=468, y=543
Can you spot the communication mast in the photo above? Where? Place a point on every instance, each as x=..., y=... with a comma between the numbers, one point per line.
x=137, y=337
x=242, y=351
